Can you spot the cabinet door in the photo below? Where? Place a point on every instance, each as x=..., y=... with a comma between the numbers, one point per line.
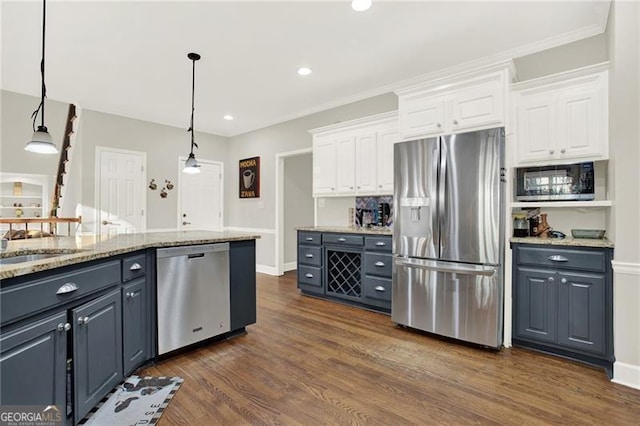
x=324, y=166
x=33, y=364
x=135, y=324
x=580, y=123
x=421, y=115
x=385, y=141
x=365, y=163
x=345, y=164
x=477, y=107
x=581, y=311
x=536, y=300
x=536, y=138
x=97, y=350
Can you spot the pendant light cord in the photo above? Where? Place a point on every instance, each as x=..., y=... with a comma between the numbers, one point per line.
x=193, y=90
x=43, y=88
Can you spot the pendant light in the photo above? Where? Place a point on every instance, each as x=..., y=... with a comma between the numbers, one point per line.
x=41, y=141
x=191, y=165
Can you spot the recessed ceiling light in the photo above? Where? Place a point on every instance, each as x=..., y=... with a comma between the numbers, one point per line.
x=228, y=117
x=304, y=71
x=360, y=5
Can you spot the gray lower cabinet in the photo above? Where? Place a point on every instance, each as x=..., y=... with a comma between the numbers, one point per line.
x=354, y=268
x=33, y=363
x=563, y=301
x=97, y=350
x=242, y=278
x=135, y=324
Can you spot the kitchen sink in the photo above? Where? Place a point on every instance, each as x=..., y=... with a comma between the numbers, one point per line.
x=12, y=260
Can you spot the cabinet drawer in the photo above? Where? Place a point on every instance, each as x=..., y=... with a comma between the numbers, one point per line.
x=133, y=267
x=343, y=239
x=310, y=238
x=310, y=275
x=378, y=264
x=377, y=291
x=378, y=243
x=23, y=299
x=310, y=255
x=585, y=260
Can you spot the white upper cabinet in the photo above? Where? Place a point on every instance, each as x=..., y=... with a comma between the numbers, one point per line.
x=355, y=157
x=454, y=104
x=562, y=118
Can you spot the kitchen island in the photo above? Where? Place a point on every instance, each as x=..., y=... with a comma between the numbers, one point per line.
x=74, y=324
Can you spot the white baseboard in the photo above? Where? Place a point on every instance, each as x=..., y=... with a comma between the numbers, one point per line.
x=266, y=269
x=626, y=268
x=290, y=266
x=626, y=374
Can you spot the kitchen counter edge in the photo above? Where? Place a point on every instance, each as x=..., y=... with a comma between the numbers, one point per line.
x=570, y=242
x=87, y=248
x=347, y=230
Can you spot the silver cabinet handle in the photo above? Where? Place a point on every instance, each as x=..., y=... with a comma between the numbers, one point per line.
x=83, y=320
x=557, y=258
x=67, y=288
x=342, y=240
x=379, y=186
x=551, y=279
x=351, y=187
x=135, y=267
x=358, y=188
x=440, y=124
x=455, y=121
x=551, y=151
x=107, y=222
x=64, y=326
x=379, y=264
x=563, y=150
x=309, y=239
x=308, y=275
x=563, y=281
x=129, y=294
x=379, y=288
x=308, y=256
x=381, y=243
x=186, y=223
x=333, y=189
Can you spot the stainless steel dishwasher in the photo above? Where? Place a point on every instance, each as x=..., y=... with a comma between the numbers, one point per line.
x=193, y=294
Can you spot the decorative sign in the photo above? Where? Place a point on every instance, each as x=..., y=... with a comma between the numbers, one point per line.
x=250, y=178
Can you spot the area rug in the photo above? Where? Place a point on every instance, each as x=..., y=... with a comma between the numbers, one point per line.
x=137, y=400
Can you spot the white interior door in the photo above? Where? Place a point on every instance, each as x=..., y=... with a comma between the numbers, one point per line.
x=121, y=194
x=201, y=197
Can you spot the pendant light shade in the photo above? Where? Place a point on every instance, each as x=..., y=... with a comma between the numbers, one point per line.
x=41, y=141
x=191, y=166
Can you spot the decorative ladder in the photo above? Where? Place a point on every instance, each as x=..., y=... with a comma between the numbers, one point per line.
x=64, y=159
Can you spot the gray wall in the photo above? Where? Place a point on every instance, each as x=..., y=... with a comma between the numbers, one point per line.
x=297, y=200
x=624, y=110
x=266, y=143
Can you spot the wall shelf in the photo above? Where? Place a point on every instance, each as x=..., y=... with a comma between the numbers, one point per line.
x=564, y=204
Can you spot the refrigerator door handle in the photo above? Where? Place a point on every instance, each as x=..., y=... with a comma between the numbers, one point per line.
x=486, y=271
x=442, y=193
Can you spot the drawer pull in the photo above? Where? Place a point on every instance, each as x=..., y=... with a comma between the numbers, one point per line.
x=342, y=240
x=381, y=243
x=67, y=288
x=308, y=275
x=135, y=267
x=308, y=255
x=83, y=320
x=379, y=264
x=551, y=279
x=558, y=258
x=563, y=281
x=64, y=326
x=379, y=288
x=309, y=239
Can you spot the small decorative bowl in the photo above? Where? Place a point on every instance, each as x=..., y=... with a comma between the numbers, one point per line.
x=588, y=233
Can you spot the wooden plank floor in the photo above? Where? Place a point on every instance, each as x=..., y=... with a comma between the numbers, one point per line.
x=308, y=361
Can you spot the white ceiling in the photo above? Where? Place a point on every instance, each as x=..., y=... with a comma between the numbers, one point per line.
x=129, y=58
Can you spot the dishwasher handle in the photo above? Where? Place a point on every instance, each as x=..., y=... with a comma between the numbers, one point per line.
x=195, y=255
x=191, y=250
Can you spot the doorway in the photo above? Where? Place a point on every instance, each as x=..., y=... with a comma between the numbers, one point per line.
x=294, y=204
x=120, y=191
x=200, y=197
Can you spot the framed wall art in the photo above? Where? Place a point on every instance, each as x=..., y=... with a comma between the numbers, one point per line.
x=250, y=178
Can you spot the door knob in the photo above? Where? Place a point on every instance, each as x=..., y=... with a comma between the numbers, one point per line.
x=186, y=223
x=107, y=222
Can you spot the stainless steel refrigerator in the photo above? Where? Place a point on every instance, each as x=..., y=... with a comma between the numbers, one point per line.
x=448, y=236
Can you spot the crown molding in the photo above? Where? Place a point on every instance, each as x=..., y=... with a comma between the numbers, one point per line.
x=561, y=77
x=358, y=122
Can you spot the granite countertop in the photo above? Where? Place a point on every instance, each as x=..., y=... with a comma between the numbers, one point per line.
x=567, y=241
x=348, y=230
x=90, y=247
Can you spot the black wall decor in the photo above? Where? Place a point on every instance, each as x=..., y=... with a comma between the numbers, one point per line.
x=250, y=178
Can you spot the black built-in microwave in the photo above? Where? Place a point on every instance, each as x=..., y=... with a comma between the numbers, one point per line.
x=555, y=183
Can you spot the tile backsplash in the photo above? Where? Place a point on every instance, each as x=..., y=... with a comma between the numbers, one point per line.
x=368, y=211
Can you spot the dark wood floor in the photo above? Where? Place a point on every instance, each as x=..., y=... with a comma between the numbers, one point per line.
x=309, y=361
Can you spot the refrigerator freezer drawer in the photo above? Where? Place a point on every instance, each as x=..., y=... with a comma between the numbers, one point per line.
x=459, y=301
